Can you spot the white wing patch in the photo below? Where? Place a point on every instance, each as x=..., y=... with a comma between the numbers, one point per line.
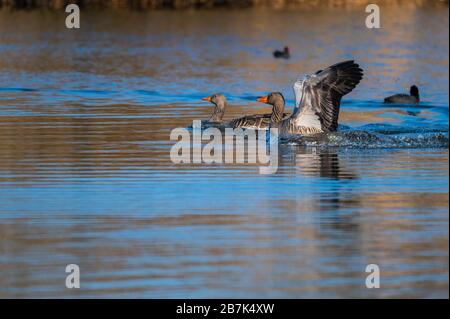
x=298, y=93
x=307, y=118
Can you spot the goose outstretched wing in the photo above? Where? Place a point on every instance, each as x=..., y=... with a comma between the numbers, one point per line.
x=318, y=96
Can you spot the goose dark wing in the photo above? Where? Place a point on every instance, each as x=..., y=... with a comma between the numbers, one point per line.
x=256, y=121
x=251, y=121
x=322, y=92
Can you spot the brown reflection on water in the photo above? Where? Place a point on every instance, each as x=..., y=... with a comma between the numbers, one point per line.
x=253, y=261
x=167, y=47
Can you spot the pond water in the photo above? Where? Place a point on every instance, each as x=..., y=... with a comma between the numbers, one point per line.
x=86, y=177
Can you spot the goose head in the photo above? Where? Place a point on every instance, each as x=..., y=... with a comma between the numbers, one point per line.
x=276, y=99
x=220, y=101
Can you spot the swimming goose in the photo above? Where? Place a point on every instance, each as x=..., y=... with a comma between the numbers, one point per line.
x=412, y=98
x=220, y=102
x=318, y=98
x=262, y=121
x=255, y=121
x=282, y=54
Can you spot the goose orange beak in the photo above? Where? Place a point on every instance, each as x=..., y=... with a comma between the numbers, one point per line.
x=208, y=98
x=263, y=99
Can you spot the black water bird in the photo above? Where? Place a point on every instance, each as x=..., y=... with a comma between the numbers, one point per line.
x=282, y=54
x=412, y=98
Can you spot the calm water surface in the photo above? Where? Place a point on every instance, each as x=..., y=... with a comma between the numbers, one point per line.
x=86, y=178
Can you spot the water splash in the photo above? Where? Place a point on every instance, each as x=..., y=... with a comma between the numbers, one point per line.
x=365, y=139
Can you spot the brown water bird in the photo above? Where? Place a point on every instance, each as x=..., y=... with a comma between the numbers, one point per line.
x=412, y=98
x=255, y=121
x=282, y=54
x=276, y=99
x=220, y=102
x=317, y=100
